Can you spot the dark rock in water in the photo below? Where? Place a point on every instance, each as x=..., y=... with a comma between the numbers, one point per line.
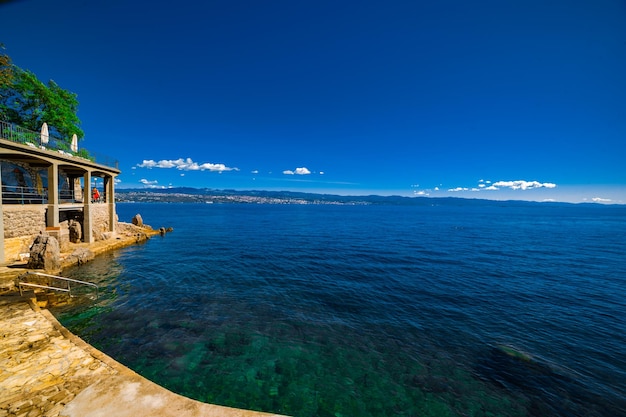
x=137, y=220
x=76, y=231
x=551, y=390
x=45, y=254
x=81, y=256
x=163, y=230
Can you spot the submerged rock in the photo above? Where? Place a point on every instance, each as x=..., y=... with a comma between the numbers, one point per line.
x=81, y=256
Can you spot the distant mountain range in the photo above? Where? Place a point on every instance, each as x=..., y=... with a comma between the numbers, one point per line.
x=207, y=195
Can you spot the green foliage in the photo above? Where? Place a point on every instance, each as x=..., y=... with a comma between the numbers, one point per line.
x=27, y=102
x=84, y=153
x=6, y=69
x=60, y=111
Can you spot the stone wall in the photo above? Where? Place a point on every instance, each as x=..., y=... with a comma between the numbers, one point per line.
x=100, y=220
x=26, y=220
x=22, y=223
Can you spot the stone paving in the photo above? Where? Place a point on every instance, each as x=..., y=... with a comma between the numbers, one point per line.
x=47, y=371
x=40, y=370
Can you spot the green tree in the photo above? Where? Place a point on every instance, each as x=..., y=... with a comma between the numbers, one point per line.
x=6, y=69
x=27, y=102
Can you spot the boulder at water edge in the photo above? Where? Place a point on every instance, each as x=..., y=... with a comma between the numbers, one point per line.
x=45, y=254
x=137, y=220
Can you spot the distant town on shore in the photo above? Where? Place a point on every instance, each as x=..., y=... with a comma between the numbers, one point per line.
x=214, y=196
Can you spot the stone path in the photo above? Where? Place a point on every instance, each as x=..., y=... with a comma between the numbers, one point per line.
x=47, y=371
x=40, y=370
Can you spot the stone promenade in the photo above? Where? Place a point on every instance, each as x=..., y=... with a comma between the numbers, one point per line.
x=41, y=371
x=47, y=371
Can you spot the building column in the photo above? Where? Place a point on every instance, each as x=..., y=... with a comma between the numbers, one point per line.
x=53, y=196
x=2, y=257
x=109, y=183
x=87, y=221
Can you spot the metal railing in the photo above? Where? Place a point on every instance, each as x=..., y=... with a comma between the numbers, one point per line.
x=18, y=134
x=12, y=194
x=22, y=195
x=51, y=278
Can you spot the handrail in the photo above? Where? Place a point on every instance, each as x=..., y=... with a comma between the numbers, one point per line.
x=41, y=274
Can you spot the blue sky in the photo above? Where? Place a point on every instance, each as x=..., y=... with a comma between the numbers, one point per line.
x=487, y=99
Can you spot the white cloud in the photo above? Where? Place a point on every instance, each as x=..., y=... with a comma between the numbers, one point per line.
x=523, y=185
x=298, y=171
x=484, y=185
x=601, y=200
x=185, y=165
x=256, y=171
x=151, y=184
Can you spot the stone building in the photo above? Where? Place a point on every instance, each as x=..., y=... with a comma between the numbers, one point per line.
x=44, y=189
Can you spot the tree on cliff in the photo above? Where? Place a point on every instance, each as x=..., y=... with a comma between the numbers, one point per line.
x=27, y=102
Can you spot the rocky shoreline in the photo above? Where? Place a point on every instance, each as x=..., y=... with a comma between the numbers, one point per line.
x=78, y=253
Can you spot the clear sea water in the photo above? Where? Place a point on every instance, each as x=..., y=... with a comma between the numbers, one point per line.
x=380, y=310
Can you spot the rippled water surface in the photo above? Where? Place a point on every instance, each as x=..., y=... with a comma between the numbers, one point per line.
x=467, y=310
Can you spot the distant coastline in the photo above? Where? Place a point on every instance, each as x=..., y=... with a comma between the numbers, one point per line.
x=214, y=196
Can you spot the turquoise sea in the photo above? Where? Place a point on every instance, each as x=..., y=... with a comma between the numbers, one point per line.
x=451, y=309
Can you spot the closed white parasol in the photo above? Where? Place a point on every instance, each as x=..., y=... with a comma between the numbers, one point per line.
x=44, y=134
